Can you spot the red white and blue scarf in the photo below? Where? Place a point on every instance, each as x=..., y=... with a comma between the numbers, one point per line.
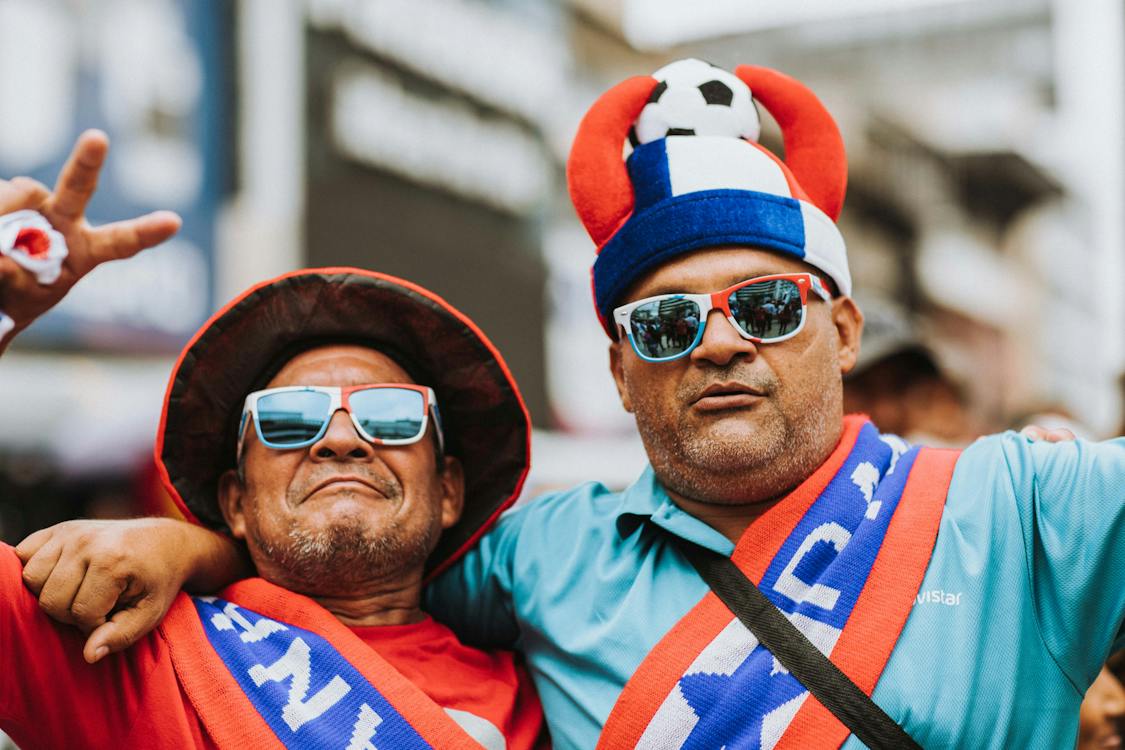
x=843, y=557
x=267, y=668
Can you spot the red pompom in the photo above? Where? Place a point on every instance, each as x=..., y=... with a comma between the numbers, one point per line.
x=34, y=242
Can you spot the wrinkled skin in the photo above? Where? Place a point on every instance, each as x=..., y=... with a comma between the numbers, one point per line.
x=723, y=457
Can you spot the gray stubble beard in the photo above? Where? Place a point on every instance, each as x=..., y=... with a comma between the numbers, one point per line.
x=343, y=557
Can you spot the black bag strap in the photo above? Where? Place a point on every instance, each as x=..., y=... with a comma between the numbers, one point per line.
x=814, y=670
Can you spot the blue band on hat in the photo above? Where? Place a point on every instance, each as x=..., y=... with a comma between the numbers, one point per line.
x=648, y=171
x=693, y=221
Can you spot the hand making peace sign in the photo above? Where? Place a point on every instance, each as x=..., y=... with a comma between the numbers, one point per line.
x=22, y=297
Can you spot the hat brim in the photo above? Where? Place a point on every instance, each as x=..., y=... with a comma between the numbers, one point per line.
x=486, y=422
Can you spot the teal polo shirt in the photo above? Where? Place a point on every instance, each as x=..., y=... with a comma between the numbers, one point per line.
x=1022, y=599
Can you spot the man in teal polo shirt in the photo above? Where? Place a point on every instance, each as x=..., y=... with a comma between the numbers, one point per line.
x=985, y=615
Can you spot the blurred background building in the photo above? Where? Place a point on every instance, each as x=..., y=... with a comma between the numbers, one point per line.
x=986, y=141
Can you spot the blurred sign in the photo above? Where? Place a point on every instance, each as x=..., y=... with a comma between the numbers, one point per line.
x=512, y=56
x=442, y=142
x=149, y=73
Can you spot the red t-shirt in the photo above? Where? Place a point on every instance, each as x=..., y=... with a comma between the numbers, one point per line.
x=51, y=698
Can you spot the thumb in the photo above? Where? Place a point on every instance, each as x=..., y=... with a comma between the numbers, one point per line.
x=22, y=193
x=123, y=629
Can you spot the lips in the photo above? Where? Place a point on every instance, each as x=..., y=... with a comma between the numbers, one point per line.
x=729, y=395
x=342, y=480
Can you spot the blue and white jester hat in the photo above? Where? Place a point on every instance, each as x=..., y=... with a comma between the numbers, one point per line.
x=697, y=176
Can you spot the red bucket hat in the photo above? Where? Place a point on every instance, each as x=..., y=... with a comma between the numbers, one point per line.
x=240, y=348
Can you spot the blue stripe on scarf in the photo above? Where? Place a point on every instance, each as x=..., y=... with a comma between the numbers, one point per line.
x=304, y=689
x=733, y=707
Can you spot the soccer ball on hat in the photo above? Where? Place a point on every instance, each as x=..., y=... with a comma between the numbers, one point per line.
x=696, y=98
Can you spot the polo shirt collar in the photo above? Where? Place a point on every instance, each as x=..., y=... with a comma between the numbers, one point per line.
x=646, y=500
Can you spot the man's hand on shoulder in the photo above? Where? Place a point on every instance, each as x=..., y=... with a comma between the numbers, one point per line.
x=22, y=297
x=115, y=580
x=1057, y=435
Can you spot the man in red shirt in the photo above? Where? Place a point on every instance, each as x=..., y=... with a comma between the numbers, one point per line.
x=358, y=434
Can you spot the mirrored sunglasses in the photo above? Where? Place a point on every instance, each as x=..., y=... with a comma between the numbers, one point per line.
x=766, y=309
x=298, y=416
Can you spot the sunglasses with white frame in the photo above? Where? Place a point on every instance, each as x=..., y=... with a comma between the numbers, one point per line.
x=681, y=304
x=341, y=398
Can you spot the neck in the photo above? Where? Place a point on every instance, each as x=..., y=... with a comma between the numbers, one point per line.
x=393, y=599
x=388, y=607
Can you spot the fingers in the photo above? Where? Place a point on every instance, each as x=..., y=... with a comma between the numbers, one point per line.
x=1057, y=435
x=123, y=629
x=22, y=193
x=124, y=239
x=60, y=587
x=99, y=593
x=38, y=569
x=79, y=176
x=33, y=543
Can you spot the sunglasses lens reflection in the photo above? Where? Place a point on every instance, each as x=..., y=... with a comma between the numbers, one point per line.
x=389, y=413
x=292, y=417
x=767, y=310
x=664, y=328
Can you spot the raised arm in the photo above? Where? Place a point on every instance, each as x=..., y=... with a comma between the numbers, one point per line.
x=22, y=297
x=116, y=579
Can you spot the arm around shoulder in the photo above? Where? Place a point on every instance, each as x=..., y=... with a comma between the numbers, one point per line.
x=118, y=578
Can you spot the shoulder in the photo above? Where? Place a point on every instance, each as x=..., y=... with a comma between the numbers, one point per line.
x=583, y=506
x=555, y=525
x=1022, y=460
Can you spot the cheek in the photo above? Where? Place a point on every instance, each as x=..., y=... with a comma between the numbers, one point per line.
x=810, y=362
x=652, y=390
x=269, y=474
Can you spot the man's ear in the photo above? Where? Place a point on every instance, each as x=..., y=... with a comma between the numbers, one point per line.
x=231, y=493
x=452, y=492
x=848, y=320
x=616, y=368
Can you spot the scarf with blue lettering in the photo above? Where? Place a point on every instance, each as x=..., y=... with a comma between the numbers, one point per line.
x=843, y=557
x=266, y=668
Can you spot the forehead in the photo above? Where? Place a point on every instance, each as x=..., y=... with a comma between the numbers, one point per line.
x=713, y=269
x=339, y=365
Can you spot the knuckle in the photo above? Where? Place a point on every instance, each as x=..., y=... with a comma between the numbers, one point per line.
x=84, y=615
x=52, y=608
x=31, y=580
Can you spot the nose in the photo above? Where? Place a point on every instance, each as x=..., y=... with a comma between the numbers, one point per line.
x=340, y=441
x=721, y=343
